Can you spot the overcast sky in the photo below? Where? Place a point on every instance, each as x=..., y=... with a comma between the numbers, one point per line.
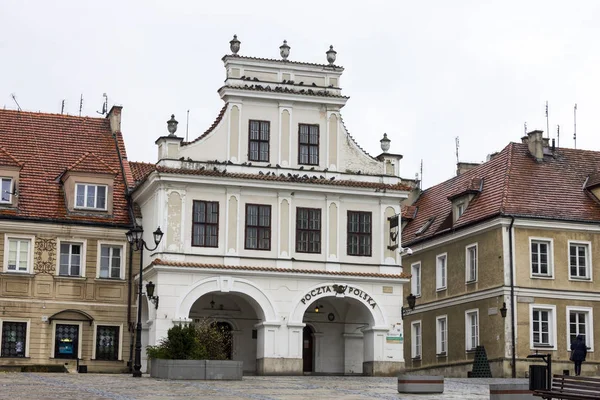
x=424, y=72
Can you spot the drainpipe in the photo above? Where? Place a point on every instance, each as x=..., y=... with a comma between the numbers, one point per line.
x=512, y=297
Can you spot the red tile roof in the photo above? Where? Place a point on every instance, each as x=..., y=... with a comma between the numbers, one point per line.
x=142, y=170
x=282, y=270
x=47, y=145
x=7, y=159
x=514, y=184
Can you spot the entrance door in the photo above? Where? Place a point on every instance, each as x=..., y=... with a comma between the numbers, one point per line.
x=307, y=349
x=66, y=341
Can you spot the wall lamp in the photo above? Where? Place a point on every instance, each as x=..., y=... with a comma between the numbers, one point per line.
x=411, y=300
x=150, y=293
x=503, y=310
x=405, y=250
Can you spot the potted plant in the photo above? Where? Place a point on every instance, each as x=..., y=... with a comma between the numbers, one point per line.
x=194, y=352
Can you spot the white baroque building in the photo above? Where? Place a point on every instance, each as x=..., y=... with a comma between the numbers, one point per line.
x=277, y=225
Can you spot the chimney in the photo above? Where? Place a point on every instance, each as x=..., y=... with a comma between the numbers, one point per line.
x=462, y=167
x=536, y=142
x=114, y=117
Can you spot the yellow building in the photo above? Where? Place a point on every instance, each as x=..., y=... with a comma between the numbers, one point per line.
x=63, y=217
x=502, y=257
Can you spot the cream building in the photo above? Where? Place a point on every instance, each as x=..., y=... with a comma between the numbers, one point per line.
x=277, y=226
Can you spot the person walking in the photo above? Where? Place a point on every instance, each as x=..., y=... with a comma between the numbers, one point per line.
x=578, y=353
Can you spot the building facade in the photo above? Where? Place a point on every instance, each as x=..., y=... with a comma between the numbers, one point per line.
x=63, y=217
x=503, y=257
x=277, y=226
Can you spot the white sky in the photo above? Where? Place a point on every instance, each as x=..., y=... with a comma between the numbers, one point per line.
x=424, y=72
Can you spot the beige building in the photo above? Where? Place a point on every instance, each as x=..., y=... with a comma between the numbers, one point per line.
x=63, y=217
x=503, y=257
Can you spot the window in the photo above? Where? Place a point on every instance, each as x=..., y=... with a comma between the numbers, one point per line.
x=425, y=226
x=66, y=341
x=580, y=322
x=107, y=343
x=415, y=283
x=543, y=326
x=579, y=264
x=258, y=142
x=308, y=147
x=258, y=227
x=111, y=261
x=460, y=210
x=359, y=233
x=14, y=339
x=471, y=263
x=472, y=329
x=416, y=339
x=18, y=256
x=442, y=335
x=5, y=190
x=541, y=258
x=308, y=230
x=205, y=224
x=441, y=271
x=70, y=259
x=90, y=196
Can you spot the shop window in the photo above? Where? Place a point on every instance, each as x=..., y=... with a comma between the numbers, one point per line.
x=107, y=343
x=14, y=339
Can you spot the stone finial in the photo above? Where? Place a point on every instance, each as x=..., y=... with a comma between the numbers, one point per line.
x=284, y=50
x=172, y=125
x=234, y=45
x=385, y=143
x=331, y=55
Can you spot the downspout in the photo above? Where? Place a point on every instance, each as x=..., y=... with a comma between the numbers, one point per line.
x=512, y=297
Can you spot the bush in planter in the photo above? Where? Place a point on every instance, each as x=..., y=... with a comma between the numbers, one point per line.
x=203, y=341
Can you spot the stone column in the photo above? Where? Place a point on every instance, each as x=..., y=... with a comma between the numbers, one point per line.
x=271, y=351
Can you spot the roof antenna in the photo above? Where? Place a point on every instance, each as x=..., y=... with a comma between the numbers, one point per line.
x=547, y=121
x=80, y=104
x=457, y=145
x=15, y=100
x=421, y=181
x=62, y=107
x=104, y=105
x=525, y=126
x=187, y=125
x=575, y=125
x=557, y=135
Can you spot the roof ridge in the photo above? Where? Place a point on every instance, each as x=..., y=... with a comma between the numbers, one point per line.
x=237, y=56
x=40, y=113
x=15, y=160
x=211, y=128
x=505, y=187
x=85, y=156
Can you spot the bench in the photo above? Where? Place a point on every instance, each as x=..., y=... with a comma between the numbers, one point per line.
x=572, y=388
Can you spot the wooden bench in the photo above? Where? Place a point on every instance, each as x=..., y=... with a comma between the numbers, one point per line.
x=572, y=388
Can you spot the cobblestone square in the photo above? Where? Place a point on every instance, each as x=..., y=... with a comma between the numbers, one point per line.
x=123, y=387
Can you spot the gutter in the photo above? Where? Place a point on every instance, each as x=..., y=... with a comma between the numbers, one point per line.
x=512, y=297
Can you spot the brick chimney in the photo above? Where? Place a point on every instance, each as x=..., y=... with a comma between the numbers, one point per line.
x=536, y=143
x=114, y=117
x=462, y=167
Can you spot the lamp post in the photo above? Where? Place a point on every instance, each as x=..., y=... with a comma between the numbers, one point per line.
x=411, y=300
x=135, y=239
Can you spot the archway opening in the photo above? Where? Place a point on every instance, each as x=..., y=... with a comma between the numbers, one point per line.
x=337, y=325
x=236, y=315
x=308, y=349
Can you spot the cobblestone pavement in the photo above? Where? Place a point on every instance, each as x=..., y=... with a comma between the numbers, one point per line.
x=122, y=387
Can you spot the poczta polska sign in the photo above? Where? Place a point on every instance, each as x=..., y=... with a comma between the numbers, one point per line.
x=339, y=289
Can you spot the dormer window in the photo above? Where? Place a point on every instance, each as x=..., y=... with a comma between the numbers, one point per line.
x=425, y=226
x=460, y=209
x=90, y=196
x=6, y=190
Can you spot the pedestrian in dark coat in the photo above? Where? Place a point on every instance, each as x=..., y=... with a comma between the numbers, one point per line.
x=578, y=353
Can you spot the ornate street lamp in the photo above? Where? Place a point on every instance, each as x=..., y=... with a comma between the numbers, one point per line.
x=135, y=239
x=503, y=310
x=411, y=300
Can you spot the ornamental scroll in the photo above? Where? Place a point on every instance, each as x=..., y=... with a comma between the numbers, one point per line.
x=44, y=261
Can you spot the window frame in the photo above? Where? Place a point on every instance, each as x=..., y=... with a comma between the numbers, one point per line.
x=413, y=284
x=11, y=183
x=259, y=140
x=439, y=288
x=588, y=259
x=79, y=338
x=359, y=234
x=101, y=243
x=468, y=326
x=438, y=338
x=194, y=202
x=27, y=321
x=468, y=264
x=95, y=337
x=31, y=239
x=550, y=243
x=258, y=227
x=460, y=210
x=414, y=346
x=552, y=332
x=589, y=326
x=97, y=185
x=82, y=269
x=309, y=230
x=309, y=145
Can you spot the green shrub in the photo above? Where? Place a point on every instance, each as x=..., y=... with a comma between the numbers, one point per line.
x=203, y=341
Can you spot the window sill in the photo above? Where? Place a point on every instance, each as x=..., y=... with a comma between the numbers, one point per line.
x=471, y=351
x=418, y=358
x=73, y=278
x=109, y=280
x=442, y=355
x=470, y=282
x=578, y=279
x=543, y=346
x=108, y=361
x=440, y=289
x=14, y=358
x=533, y=276
x=86, y=209
x=17, y=273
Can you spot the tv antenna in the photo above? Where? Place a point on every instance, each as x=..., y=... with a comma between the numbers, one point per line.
x=104, y=105
x=187, y=125
x=16, y=102
x=457, y=146
x=575, y=125
x=547, y=121
x=525, y=127
x=62, y=107
x=558, y=135
x=80, y=104
x=421, y=181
